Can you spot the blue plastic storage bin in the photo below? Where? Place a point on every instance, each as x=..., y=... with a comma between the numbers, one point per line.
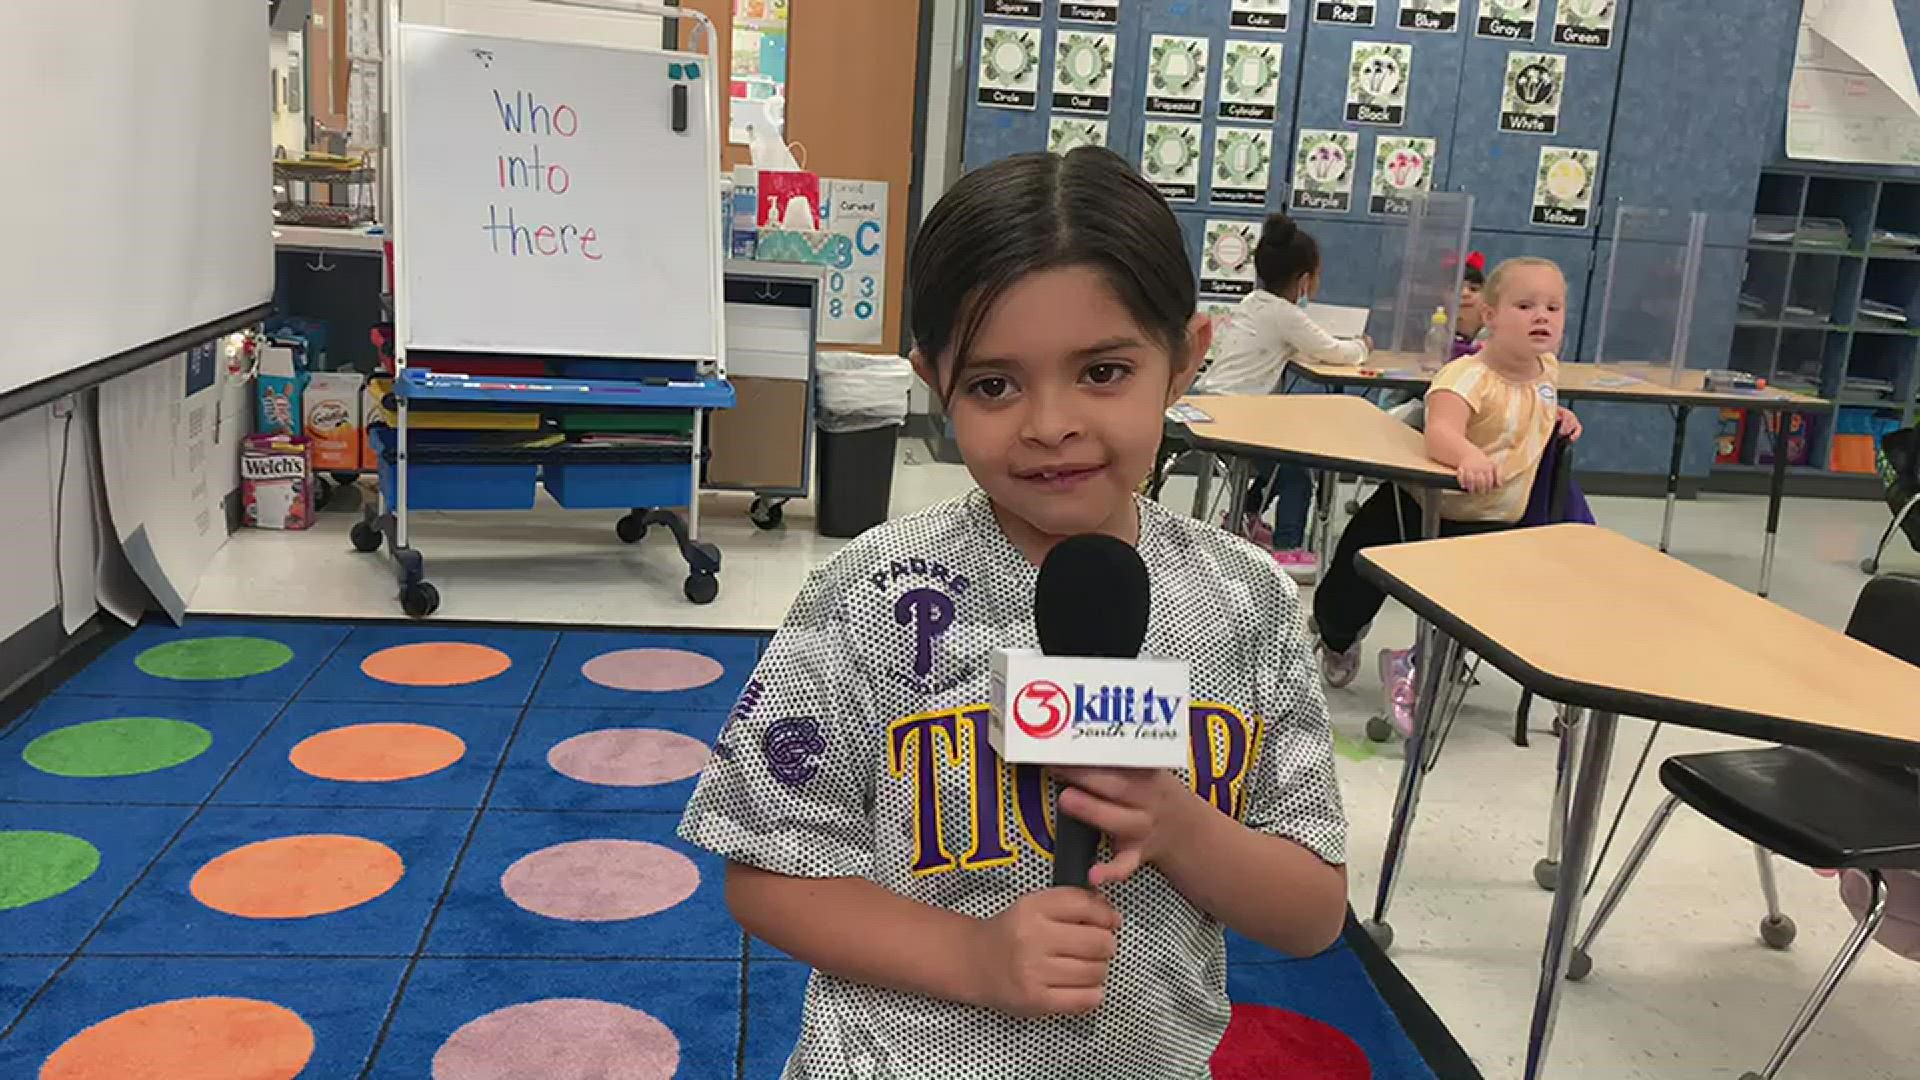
x=434, y=486
x=620, y=487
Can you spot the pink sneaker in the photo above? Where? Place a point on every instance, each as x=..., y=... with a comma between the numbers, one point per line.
x=1252, y=526
x=1399, y=689
x=1301, y=564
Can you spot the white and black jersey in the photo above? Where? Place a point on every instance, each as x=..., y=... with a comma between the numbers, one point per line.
x=859, y=749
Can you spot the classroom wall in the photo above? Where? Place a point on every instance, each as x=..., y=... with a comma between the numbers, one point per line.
x=1686, y=107
x=851, y=86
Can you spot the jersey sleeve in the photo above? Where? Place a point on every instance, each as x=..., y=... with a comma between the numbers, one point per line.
x=788, y=788
x=1292, y=791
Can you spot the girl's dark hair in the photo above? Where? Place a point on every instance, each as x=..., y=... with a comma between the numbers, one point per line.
x=1040, y=211
x=1285, y=252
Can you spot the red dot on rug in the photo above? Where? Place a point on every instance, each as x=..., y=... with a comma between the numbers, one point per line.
x=656, y=670
x=1263, y=1042
x=629, y=757
x=600, y=880
x=560, y=1039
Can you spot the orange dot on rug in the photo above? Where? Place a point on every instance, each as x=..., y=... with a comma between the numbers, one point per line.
x=296, y=877
x=377, y=753
x=206, y=1038
x=436, y=663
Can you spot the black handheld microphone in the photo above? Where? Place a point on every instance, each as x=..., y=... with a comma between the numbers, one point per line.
x=1091, y=600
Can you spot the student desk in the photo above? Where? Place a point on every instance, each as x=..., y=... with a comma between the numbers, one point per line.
x=1627, y=384
x=1607, y=626
x=1326, y=432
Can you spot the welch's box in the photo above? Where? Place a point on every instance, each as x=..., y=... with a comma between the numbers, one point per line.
x=1065, y=710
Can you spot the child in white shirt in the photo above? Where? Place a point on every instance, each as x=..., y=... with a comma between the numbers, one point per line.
x=1268, y=329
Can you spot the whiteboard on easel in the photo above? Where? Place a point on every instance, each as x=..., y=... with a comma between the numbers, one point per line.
x=547, y=204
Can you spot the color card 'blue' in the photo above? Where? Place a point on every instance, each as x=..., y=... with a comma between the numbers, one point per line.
x=530, y=782
x=268, y=777
x=233, y=726
x=479, y=919
x=127, y=837
x=345, y=678
x=698, y=1001
x=163, y=917
x=342, y=1001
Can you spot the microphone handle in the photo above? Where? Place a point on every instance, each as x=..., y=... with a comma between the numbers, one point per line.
x=1075, y=844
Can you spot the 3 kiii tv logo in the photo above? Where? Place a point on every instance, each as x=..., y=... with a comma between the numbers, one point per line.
x=1044, y=709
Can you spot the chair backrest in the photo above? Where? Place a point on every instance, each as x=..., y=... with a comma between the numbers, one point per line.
x=1887, y=616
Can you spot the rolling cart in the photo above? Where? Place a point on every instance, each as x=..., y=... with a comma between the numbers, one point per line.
x=513, y=367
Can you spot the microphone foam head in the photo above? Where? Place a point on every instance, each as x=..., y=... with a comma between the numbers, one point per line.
x=1092, y=598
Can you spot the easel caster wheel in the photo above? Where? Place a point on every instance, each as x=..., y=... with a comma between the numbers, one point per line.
x=1378, y=730
x=1870, y=565
x=702, y=588
x=1380, y=932
x=1579, y=965
x=420, y=600
x=1546, y=874
x=766, y=513
x=1778, y=933
x=1353, y=506
x=365, y=537
x=631, y=529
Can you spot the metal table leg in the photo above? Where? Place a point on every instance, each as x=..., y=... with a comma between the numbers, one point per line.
x=1582, y=822
x=1680, y=415
x=1437, y=654
x=1546, y=872
x=1203, y=487
x=1776, y=488
x=1239, y=478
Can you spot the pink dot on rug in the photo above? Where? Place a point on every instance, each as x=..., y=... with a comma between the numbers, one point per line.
x=600, y=880
x=657, y=670
x=560, y=1039
x=629, y=757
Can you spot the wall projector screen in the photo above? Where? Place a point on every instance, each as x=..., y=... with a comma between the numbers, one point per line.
x=136, y=203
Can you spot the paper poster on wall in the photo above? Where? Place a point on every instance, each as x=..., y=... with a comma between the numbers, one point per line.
x=1250, y=81
x=1508, y=20
x=1066, y=133
x=1009, y=67
x=1104, y=12
x=1260, y=14
x=1242, y=162
x=1377, y=77
x=757, y=90
x=1226, y=258
x=1584, y=24
x=1563, y=187
x=1530, y=97
x=1012, y=9
x=1345, y=13
x=1170, y=159
x=1323, y=170
x=1083, y=72
x=1402, y=168
x=1853, y=96
x=853, y=309
x=1437, y=16
x=1176, y=75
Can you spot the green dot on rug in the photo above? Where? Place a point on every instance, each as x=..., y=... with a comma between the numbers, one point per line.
x=42, y=865
x=203, y=659
x=124, y=746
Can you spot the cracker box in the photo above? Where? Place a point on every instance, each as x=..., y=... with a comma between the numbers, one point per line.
x=276, y=482
x=331, y=405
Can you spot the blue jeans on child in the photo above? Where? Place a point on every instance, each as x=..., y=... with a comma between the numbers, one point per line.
x=1290, y=489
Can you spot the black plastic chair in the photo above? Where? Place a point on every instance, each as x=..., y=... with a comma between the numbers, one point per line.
x=1820, y=810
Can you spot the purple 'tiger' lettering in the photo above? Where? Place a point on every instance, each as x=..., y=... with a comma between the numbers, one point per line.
x=929, y=612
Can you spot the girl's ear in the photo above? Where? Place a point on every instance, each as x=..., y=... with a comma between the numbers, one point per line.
x=928, y=375
x=1186, y=364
